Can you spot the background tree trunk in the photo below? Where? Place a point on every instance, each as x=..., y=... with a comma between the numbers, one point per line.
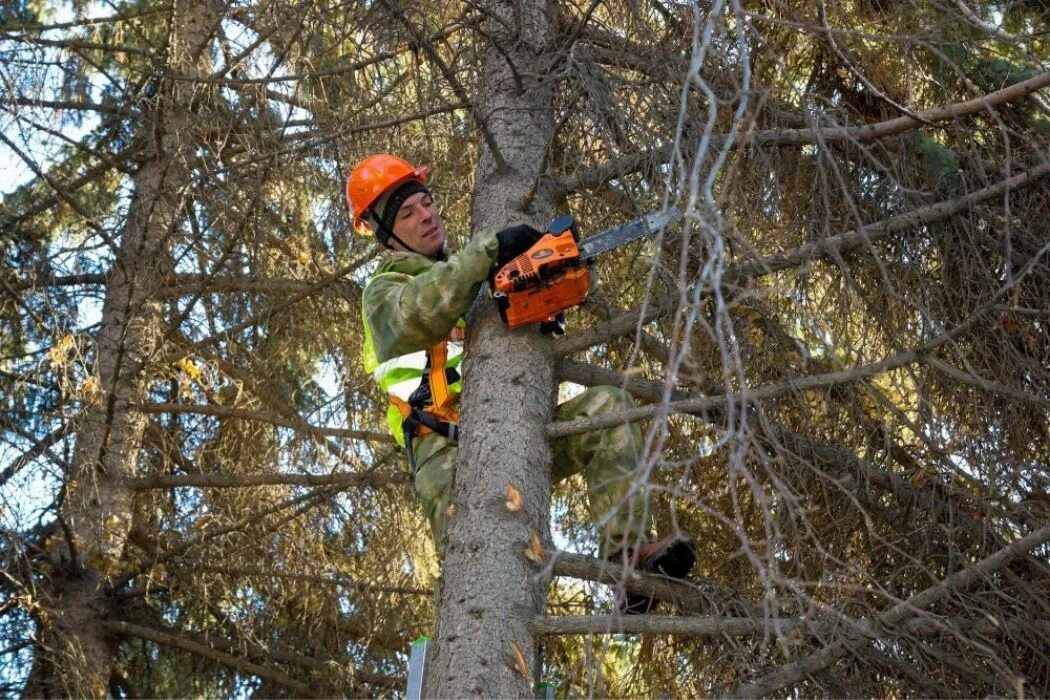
x=75, y=652
x=489, y=591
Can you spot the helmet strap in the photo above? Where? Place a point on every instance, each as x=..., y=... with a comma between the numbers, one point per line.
x=384, y=235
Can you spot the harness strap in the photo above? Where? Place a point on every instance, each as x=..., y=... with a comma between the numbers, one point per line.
x=437, y=412
x=419, y=419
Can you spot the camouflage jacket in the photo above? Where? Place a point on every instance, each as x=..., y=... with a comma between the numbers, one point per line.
x=412, y=302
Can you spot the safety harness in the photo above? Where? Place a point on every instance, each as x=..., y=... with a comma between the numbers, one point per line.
x=432, y=407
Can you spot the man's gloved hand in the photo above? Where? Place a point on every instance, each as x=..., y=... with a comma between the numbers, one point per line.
x=514, y=241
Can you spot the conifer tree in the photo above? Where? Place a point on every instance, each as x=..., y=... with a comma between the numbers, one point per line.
x=839, y=355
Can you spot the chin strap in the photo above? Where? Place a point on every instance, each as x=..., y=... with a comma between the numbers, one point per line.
x=440, y=255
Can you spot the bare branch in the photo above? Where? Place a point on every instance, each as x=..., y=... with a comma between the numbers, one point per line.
x=40, y=447
x=225, y=481
x=991, y=29
x=758, y=394
x=332, y=579
x=595, y=177
x=984, y=384
x=879, y=626
x=622, y=325
x=684, y=595
x=717, y=626
x=427, y=45
x=236, y=663
x=854, y=239
x=245, y=414
x=833, y=246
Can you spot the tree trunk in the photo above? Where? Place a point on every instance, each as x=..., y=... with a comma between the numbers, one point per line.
x=74, y=652
x=490, y=591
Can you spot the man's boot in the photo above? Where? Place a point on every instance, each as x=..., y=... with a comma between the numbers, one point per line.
x=672, y=556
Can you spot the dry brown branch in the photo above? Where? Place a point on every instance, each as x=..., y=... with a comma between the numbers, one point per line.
x=334, y=278
x=848, y=470
x=877, y=627
x=236, y=663
x=76, y=45
x=720, y=626
x=333, y=579
x=617, y=327
x=39, y=447
x=206, y=533
x=855, y=239
x=593, y=178
x=427, y=44
x=353, y=67
x=975, y=380
x=758, y=394
x=863, y=134
x=226, y=481
x=187, y=285
x=688, y=597
x=245, y=414
x=831, y=247
x=78, y=105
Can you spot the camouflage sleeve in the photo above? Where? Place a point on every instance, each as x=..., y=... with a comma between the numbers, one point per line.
x=407, y=313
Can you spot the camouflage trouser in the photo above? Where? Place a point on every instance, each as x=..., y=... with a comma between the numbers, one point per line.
x=607, y=458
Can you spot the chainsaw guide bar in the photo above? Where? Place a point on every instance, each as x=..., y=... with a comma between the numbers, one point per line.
x=615, y=237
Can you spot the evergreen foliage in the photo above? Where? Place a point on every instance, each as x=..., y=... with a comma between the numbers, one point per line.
x=844, y=352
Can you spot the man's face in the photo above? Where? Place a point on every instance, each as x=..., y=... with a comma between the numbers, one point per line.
x=419, y=225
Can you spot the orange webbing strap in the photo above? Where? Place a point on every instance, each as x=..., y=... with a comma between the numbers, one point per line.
x=439, y=393
x=443, y=405
x=403, y=406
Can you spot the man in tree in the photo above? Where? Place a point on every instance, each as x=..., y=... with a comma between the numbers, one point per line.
x=413, y=308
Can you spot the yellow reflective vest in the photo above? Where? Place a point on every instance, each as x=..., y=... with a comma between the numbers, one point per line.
x=410, y=308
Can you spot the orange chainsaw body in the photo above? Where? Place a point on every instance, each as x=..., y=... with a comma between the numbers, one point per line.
x=543, y=281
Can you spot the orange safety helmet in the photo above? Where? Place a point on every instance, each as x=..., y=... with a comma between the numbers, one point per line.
x=371, y=178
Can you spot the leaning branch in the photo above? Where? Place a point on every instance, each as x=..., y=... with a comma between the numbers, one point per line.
x=245, y=414
x=721, y=626
x=687, y=597
x=39, y=447
x=226, y=481
x=832, y=247
x=932, y=495
x=979, y=382
x=427, y=45
x=204, y=651
x=333, y=579
x=297, y=505
x=597, y=176
x=854, y=239
x=606, y=331
x=882, y=625
x=708, y=403
x=63, y=105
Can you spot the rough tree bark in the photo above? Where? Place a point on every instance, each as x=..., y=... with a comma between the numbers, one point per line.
x=489, y=592
x=74, y=651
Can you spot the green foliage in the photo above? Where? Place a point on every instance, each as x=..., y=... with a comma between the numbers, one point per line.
x=939, y=164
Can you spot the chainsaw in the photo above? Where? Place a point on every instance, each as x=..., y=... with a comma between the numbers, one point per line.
x=554, y=274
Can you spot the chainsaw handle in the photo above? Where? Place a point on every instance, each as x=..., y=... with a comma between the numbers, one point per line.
x=563, y=223
x=544, y=281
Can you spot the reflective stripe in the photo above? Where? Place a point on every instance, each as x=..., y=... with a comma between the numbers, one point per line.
x=403, y=390
x=400, y=376
x=410, y=368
